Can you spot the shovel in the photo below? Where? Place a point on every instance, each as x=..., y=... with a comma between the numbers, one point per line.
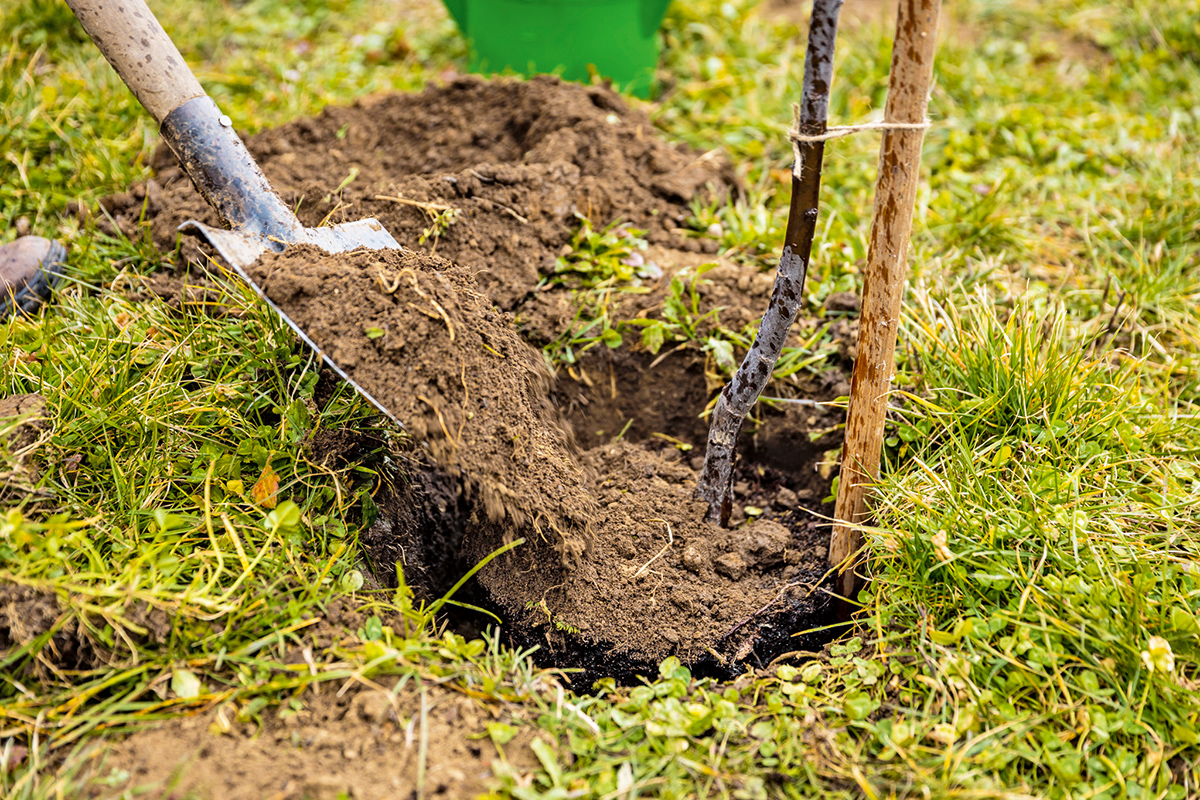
x=220, y=166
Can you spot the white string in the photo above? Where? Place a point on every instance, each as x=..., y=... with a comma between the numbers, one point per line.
x=838, y=131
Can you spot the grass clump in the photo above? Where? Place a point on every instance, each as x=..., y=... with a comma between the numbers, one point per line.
x=1041, y=546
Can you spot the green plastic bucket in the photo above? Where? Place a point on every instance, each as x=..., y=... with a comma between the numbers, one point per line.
x=616, y=38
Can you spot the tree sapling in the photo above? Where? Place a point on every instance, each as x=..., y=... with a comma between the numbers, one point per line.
x=739, y=396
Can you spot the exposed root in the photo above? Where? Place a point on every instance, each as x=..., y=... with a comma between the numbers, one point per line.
x=659, y=554
x=412, y=276
x=432, y=209
x=512, y=212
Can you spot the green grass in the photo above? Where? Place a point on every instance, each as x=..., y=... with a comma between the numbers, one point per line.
x=1035, y=543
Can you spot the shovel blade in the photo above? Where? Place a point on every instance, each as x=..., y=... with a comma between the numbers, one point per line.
x=240, y=250
x=366, y=233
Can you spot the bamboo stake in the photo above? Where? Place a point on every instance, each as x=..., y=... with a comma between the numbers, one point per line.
x=739, y=396
x=883, y=283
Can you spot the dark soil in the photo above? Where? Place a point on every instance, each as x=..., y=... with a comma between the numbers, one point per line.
x=414, y=331
x=27, y=614
x=617, y=570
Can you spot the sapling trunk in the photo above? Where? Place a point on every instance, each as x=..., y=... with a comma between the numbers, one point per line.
x=883, y=281
x=739, y=396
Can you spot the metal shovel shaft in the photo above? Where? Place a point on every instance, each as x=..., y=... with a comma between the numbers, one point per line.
x=224, y=172
x=217, y=161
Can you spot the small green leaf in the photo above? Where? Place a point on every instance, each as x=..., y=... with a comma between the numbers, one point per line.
x=285, y=518
x=373, y=627
x=374, y=333
x=963, y=628
x=700, y=725
x=500, y=733
x=858, y=705
x=652, y=337
x=549, y=760
x=352, y=581
x=722, y=351
x=167, y=521
x=185, y=684
x=1185, y=734
x=668, y=666
x=764, y=729
x=1183, y=621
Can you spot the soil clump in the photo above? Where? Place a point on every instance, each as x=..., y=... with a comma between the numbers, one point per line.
x=27, y=614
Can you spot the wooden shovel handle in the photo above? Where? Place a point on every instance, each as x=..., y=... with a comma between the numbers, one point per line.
x=138, y=48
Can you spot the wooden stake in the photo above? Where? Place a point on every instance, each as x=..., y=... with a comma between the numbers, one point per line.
x=883, y=283
x=740, y=394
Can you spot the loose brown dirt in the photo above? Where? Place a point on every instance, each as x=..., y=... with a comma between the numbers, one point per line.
x=354, y=741
x=617, y=556
x=517, y=161
x=23, y=427
x=26, y=615
x=485, y=182
x=416, y=333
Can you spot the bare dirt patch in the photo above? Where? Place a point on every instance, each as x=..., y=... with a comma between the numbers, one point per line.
x=517, y=161
x=364, y=743
x=24, y=425
x=31, y=620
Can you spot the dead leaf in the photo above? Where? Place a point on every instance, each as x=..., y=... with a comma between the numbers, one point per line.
x=265, y=487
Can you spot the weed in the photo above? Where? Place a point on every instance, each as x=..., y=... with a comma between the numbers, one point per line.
x=681, y=317
x=608, y=258
x=439, y=224
x=590, y=327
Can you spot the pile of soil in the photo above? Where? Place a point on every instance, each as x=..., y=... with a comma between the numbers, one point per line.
x=618, y=570
x=518, y=160
x=415, y=332
x=617, y=556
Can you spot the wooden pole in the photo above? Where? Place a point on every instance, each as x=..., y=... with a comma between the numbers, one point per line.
x=715, y=485
x=883, y=282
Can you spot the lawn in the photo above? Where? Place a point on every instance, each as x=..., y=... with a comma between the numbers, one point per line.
x=1031, y=625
